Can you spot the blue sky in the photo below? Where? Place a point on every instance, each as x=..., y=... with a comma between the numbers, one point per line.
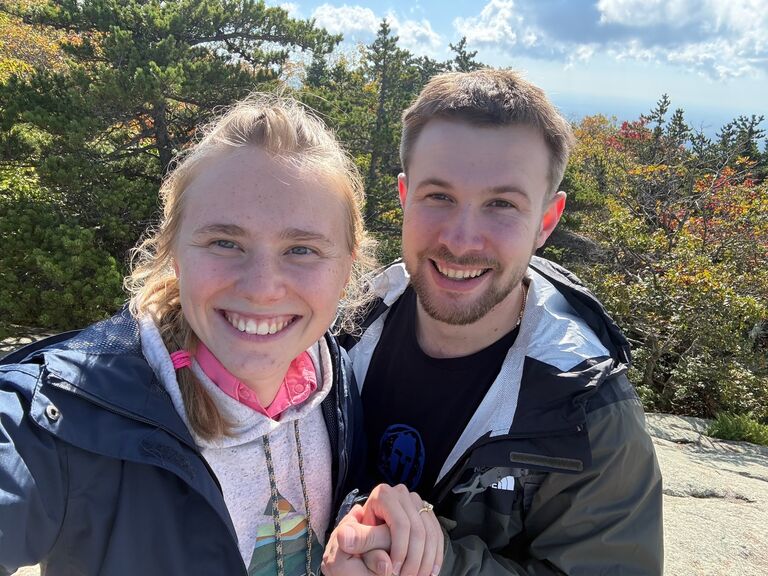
x=611, y=56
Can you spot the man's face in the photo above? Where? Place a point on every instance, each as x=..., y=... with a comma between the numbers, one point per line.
x=474, y=212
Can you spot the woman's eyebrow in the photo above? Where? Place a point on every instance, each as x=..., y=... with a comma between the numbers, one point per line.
x=299, y=234
x=226, y=229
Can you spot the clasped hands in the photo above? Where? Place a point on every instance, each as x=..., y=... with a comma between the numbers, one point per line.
x=394, y=533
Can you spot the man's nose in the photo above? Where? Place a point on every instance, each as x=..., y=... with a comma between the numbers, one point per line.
x=462, y=233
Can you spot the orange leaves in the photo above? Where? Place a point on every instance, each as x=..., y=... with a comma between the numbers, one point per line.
x=24, y=47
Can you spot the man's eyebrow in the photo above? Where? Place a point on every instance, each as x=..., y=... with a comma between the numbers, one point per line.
x=440, y=183
x=225, y=229
x=434, y=182
x=506, y=190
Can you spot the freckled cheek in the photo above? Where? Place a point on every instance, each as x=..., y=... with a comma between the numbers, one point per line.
x=323, y=285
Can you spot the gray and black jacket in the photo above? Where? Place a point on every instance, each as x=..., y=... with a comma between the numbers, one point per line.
x=555, y=472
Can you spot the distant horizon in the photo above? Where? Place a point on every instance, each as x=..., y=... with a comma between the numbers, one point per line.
x=705, y=119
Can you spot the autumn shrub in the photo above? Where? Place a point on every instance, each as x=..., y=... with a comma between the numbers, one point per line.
x=53, y=272
x=683, y=230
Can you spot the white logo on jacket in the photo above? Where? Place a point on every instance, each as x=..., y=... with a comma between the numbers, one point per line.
x=506, y=483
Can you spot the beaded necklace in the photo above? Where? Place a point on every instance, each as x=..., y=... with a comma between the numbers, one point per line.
x=274, y=500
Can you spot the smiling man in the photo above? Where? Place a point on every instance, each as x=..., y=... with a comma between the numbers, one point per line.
x=494, y=383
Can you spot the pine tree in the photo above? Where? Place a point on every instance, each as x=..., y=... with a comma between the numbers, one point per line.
x=463, y=61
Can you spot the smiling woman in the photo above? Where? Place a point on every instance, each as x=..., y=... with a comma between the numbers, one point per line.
x=261, y=260
x=212, y=425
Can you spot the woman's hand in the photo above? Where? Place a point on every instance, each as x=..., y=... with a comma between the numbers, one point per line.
x=356, y=549
x=393, y=520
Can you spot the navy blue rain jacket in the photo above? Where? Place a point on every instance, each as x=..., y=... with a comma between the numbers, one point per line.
x=99, y=474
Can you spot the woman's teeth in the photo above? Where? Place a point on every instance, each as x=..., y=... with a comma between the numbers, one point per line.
x=260, y=327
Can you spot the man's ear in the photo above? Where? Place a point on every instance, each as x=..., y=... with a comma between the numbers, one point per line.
x=402, y=188
x=550, y=218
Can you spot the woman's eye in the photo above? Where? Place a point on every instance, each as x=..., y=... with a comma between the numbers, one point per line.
x=228, y=244
x=301, y=251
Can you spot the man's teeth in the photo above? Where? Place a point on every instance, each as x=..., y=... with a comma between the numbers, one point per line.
x=460, y=274
x=260, y=327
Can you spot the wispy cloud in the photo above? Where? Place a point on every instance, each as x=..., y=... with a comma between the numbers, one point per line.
x=361, y=24
x=717, y=38
x=416, y=35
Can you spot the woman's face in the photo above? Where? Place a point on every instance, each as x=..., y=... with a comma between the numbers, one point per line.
x=262, y=259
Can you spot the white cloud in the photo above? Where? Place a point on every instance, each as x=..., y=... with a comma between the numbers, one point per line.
x=640, y=13
x=497, y=23
x=717, y=38
x=362, y=24
x=416, y=36
x=582, y=53
x=720, y=39
x=633, y=50
x=346, y=19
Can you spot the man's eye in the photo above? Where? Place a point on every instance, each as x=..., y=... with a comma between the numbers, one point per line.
x=301, y=251
x=500, y=204
x=439, y=196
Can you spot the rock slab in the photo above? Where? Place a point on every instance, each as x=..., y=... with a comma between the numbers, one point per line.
x=715, y=500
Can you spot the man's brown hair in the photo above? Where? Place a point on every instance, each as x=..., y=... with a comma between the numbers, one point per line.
x=489, y=97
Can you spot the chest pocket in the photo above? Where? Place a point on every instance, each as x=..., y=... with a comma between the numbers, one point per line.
x=498, y=480
x=488, y=504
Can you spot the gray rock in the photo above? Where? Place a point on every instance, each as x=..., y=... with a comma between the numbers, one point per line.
x=715, y=500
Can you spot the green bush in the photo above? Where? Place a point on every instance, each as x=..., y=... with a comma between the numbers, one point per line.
x=739, y=427
x=53, y=272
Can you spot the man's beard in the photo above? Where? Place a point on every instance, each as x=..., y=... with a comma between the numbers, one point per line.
x=459, y=313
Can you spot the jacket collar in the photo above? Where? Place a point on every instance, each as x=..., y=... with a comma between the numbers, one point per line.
x=104, y=365
x=566, y=348
x=391, y=282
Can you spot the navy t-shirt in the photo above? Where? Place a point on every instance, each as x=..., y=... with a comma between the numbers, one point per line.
x=416, y=406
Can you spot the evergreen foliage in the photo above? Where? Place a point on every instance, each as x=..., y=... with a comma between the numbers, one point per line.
x=681, y=223
x=142, y=75
x=54, y=274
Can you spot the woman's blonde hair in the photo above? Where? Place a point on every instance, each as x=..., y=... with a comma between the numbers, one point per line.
x=291, y=134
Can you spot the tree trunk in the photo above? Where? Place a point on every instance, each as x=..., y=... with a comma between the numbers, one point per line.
x=162, y=140
x=371, y=210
